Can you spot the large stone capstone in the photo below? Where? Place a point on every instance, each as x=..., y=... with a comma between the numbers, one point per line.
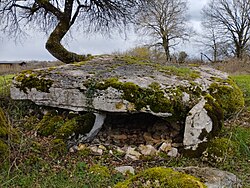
x=113, y=84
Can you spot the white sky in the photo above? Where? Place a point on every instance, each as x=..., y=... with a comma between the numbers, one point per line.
x=32, y=48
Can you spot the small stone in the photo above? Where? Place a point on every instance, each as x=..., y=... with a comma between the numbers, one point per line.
x=81, y=147
x=125, y=170
x=177, y=145
x=160, y=127
x=148, y=138
x=102, y=147
x=119, y=137
x=147, y=150
x=173, y=152
x=71, y=150
x=95, y=150
x=165, y=147
x=174, y=133
x=118, y=149
x=157, y=136
x=132, y=154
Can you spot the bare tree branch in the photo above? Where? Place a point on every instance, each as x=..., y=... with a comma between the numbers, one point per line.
x=232, y=20
x=57, y=17
x=164, y=21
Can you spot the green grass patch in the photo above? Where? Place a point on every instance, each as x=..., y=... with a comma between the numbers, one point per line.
x=5, y=82
x=243, y=81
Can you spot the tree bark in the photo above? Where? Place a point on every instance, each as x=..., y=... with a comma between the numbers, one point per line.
x=165, y=44
x=54, y=46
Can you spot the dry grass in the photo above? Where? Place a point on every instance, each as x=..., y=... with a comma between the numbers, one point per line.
x=15, y=67
x=234, y=66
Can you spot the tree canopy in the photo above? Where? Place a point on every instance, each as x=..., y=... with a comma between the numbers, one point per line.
x=56, y=17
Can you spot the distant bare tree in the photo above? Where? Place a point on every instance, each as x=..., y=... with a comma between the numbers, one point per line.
x=215, y=45
x=58, y=16
x=232, y=19
x=165, y=21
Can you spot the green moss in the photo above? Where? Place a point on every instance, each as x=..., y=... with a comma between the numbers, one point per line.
x=215, y=112
x=28, y=80
x=63, y=127
x=59, y=147
x=219, y=149
x=100, y=171
x=243, y=82
x=161, y=177
x=152, y=97
x=4, y=126
x=31, y=123
x=48, y=125
x=66, y=129
x=4, y=150
x=6, y=132
x=227, y=95
x=81, y=124
x=182, y=72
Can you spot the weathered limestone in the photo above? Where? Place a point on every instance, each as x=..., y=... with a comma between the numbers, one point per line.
x=109, y=84
x=212, y=177
x=125, y=170
x=197, y=123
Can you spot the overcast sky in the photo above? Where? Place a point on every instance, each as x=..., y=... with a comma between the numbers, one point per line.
x=32, y=47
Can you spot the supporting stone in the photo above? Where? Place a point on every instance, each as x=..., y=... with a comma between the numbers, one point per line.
x=197, y=127
x=99, y=121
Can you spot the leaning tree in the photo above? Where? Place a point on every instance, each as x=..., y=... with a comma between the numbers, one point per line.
x=58, y=16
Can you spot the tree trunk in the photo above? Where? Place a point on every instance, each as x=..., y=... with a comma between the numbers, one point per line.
x=165, y=44
x=54, y=46
x=239, y=51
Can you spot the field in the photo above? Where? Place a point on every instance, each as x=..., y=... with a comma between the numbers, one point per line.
x=36, y=161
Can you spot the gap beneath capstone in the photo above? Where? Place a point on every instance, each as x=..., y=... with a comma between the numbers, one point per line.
x=135, y=129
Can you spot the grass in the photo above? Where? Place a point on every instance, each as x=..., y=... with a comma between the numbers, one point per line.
x=35, y=162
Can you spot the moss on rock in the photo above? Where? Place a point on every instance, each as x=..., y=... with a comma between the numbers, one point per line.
x=63, y=127
x=152, y=96
x=161, y=177
x=101, y=171
x=182, y=72
x=48, y=125
x=228, y=95
x=215, y=112
x=218, y=149
x=28, y=80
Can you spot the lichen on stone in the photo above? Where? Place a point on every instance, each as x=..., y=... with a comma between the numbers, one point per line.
x=161, y=177
x=153, y=96
x=29, y=79
x=182, y=72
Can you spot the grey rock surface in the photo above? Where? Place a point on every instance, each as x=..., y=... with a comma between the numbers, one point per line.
x=125, y=170
x=197, y=123
x=212, y=177
x=75, y=85
x=109, y=84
